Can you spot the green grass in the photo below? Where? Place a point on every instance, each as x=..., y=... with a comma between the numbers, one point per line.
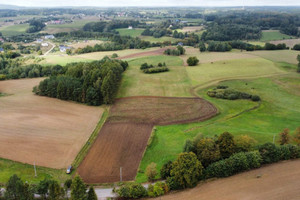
x=26, y=172
x=14, y=29
x=68, y=27
x=279, y=109
x=172, y=83
x=288, y=56
x=249, y=67
x=130, y=32
x=274, y=35
x=161, y=39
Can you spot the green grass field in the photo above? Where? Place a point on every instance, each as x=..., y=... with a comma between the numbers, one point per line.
x=287, y=56
x=274, y=35
x=26, y=172
x=207, y=73
x=68, y=27
x=279, y=109
x=130, y=32
x=14, y=29
x=172, y=83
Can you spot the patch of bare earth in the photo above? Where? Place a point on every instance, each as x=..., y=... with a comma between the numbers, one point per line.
x=47, y=131
x=147, y=53
x=123, y=139
x=278, y=181
x=290, y=42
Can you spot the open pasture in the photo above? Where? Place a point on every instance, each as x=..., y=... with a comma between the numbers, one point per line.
x=270, y=35
x=41, y=130
x=287, y=56
x=13, y=30
x=279, y=109
x=161, y=39
x=208, y=73
x=174, y=83
x=136, y=32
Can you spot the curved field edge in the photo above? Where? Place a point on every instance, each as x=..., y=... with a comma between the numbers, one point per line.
x=275, y=112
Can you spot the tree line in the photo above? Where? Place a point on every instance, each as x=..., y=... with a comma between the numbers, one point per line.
x=16, y=189
x=104, y=26
x=210, y=157
x=92, y=83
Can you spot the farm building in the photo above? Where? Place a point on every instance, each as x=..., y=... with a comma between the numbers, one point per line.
x=1, y=50
x=39, y=40
x=63, y=48
x=45, y=44
x=130, y=27
x=49, y=37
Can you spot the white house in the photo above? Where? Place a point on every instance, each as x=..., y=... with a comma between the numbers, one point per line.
x=130, y=27
x=49, y=37
x=45, y=44
x=63, y=48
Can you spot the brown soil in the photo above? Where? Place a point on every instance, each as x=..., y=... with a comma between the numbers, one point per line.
x=117, y=145
x=148, y=53
x=290, y=42
x=161, y=110
x=123, y=139
x=277, y=182
x=47, y=131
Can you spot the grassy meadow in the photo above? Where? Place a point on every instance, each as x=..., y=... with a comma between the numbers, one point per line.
x=161, y=39
x=130, y=32
x=13, y=30
x=26, y=172
x=279, y=109
x=173, y=83
x=270, y=35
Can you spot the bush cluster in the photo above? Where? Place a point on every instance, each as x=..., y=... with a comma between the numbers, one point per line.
x=192, y=61
x=150, y=69
x=230, y=94
x=175, y=52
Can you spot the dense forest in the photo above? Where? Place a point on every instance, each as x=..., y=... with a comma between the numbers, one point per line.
x=248, y=25
x=92, y=83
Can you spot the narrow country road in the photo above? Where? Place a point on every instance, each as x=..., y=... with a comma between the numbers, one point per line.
x=53, y=46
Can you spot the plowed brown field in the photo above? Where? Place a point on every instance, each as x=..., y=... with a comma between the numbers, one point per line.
x=117, y=145
x=123, y=139
x=47, y=131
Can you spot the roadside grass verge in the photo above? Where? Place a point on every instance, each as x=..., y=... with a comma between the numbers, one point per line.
x=84, y=150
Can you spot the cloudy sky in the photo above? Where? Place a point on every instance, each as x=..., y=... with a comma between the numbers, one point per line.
x=105, y=3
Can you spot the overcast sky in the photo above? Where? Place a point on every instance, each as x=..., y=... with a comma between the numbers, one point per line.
x=107, y=3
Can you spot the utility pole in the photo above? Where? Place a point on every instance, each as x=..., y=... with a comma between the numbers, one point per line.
x=274, y=139
x=34, y=169
x=120, y=174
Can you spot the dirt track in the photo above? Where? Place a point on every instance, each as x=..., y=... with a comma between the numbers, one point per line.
x=47, y=131
x=148, y=53
x=280, y=181
x=123, y=139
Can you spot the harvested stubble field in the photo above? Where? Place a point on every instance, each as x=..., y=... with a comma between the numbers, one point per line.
x=278, y=181
x=123, y=138
x=43, y=130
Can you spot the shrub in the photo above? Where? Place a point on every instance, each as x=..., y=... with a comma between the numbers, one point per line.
x=173, y=184
x=186, y=170
x=133, y=190
x=158, y=189
x=284, y=136
x=155, y=70
x=284, y=152
x=255, y=98
x=192, y=61
x=244, y=143
x=226, y=144
x=114, y=55
x=269, y=153
x=207, y=151
x=234, y=164
x=166, y=170
x=151, y=171
x=297, y=136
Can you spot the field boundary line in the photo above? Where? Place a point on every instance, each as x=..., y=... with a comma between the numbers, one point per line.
x=85, y=149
